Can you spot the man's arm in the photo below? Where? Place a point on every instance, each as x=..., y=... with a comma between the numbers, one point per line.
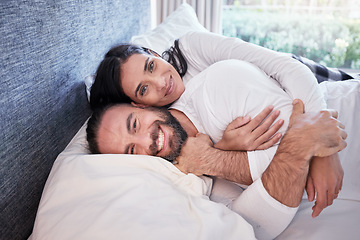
x=312, y=134
x=199, y=157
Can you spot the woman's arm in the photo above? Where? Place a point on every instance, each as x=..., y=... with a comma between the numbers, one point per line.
x=202, y=49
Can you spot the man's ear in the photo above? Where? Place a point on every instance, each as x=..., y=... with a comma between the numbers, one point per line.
x=139, y=105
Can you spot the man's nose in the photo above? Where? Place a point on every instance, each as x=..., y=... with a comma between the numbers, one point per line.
x=144, y=142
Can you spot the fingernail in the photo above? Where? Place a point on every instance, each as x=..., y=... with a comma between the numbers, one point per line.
x=295, y=101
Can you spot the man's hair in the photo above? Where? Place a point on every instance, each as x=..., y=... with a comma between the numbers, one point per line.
x=92, y=128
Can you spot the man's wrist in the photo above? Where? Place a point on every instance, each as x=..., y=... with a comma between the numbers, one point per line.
x=229, y=165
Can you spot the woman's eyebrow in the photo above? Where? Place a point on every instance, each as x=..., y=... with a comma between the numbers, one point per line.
x=146, y=64
x=145, y=69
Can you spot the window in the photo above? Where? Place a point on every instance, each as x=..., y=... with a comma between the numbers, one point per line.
x=326, y=31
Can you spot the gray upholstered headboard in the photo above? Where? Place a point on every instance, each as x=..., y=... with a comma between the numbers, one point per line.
x=47, y=48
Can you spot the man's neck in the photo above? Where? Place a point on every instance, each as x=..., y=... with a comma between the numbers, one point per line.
x=185, y=122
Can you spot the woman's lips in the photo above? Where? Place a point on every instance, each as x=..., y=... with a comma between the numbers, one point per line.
x=171, y=87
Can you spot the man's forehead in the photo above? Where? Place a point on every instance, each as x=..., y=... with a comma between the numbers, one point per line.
x=112, y=128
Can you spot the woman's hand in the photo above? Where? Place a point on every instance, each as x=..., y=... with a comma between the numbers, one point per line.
x=256, y=134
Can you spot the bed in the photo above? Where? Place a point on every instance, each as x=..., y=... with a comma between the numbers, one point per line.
x=124, y=196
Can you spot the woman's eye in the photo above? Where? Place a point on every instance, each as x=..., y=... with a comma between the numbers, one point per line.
x=132, y=150
x=143, y=90
x=151, y=66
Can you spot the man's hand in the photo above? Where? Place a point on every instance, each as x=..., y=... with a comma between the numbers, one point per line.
x=256, y=134
x=325, y=177
x=325, y=135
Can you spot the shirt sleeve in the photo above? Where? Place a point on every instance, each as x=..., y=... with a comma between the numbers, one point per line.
x=268, y=216
x=202, y=49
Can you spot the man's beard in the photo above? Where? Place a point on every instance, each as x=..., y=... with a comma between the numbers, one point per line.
x=176, y=141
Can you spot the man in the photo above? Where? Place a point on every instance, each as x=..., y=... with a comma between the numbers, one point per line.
x=127, y=129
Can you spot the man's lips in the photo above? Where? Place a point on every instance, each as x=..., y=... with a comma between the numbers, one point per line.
x=161, y=141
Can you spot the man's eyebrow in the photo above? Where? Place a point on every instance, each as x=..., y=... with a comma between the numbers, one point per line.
x=128, y=120
x=145, y=69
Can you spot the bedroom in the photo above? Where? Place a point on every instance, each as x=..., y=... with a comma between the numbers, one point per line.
x=48, y=47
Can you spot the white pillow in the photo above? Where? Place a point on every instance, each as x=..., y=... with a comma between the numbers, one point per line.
x=107, y=196
x=178, y=23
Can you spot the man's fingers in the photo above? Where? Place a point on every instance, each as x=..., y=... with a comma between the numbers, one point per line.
x=343, y=134
x=310, y=189
x=333, y=113
x=320, y=203
x=298, y=107
x=330, y=197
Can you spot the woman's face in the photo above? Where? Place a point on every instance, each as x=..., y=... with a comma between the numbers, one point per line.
x=150, y=80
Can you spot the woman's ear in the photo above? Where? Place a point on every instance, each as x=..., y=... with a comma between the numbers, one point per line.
x=152, y=52
x=139, y=105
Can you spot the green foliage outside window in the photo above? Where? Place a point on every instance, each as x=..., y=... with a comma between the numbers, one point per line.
x=334, y=42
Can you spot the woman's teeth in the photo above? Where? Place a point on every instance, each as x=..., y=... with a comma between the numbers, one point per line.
x=161, y=140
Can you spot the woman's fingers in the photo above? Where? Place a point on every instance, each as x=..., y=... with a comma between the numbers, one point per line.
x=255, y=122
x=238, y=122
x=270, y=142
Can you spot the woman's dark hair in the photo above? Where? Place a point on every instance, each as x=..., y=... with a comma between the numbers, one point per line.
x=174, y=56
x=106, y=88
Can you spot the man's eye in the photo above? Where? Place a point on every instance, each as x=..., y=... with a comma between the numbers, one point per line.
x=134, y=125
x=132, y=150
x=143, y=90
x=151, y=66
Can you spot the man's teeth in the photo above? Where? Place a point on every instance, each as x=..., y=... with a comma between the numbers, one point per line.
x=161, y=140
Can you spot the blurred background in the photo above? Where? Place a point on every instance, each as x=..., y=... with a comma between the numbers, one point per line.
x=326, y=31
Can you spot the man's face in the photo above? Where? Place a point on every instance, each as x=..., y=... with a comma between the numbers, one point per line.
x=146, y=131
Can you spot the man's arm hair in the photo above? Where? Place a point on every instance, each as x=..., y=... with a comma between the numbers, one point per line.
x=207, y=160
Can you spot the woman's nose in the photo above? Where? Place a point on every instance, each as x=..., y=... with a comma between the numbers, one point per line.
x=160, y=82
